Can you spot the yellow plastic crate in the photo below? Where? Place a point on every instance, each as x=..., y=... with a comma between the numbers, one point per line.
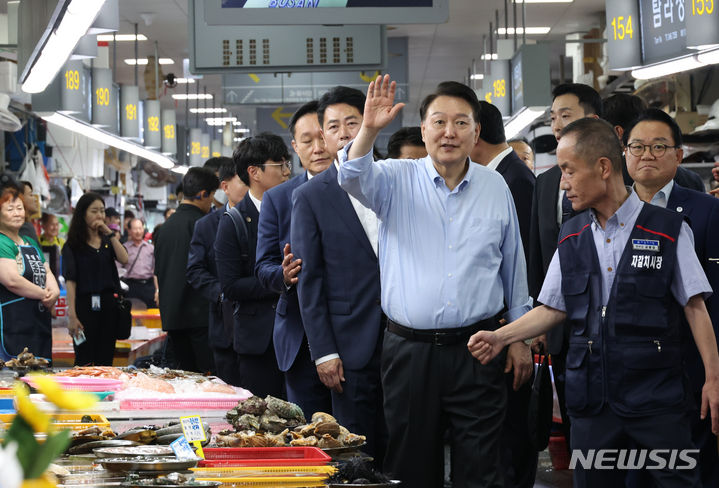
x=289, y=476
x=149, y=318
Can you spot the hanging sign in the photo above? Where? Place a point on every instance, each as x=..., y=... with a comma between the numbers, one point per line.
x=169, y=129
x=702, y=21
x=623, y=34
x=129, y=118
x=664, y=29
x=151, y=124
x=196, y=147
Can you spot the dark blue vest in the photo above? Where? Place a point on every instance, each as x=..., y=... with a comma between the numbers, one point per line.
x=626, y=354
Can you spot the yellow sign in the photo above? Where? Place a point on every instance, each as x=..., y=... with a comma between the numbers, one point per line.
x=621, y=28
x=369, y=79
x=499, y=87
x=169, y=131
x=205, y=152
x=279, y=116
x=194, y=431
x=153, y=124
x=131, y=111
x=72, y=79
x=254, y=77
x=103, y=96
x=702, y=7
x=195, y=148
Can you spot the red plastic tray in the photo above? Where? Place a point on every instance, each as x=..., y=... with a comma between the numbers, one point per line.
x=216, y=457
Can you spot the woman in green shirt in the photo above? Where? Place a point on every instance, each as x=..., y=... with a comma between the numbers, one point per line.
x=27, y=286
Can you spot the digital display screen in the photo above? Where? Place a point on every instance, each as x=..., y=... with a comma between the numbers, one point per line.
x=323, y=3
x=664, y=30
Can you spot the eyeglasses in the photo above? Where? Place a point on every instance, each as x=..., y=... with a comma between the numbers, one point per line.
x=636, y=149
x=285, y=165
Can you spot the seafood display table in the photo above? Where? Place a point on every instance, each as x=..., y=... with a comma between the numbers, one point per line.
x=142, y=342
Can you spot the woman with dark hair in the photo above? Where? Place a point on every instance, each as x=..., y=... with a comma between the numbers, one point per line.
x=88, y=264
x=27, y=286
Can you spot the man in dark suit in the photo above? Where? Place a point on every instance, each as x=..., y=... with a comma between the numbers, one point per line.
x=653, y=154
x=339, y=287
x=622, y=110
x=572, y=101
x=277, y=271
x=262, y=163
x=183, y=311
x=202, y=273
x=519, y=457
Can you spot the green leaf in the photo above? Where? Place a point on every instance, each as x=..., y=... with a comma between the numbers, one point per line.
x=21, y=432
x=54, y=446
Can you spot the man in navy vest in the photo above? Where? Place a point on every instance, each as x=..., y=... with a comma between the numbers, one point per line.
x=653, y=153
x=623, y=275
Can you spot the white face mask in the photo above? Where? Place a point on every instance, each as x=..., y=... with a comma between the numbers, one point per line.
x=221, y=196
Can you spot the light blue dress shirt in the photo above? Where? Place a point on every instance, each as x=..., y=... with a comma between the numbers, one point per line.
x=447, y=258
x=688, y=280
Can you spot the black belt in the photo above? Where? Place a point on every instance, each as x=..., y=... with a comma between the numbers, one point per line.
x=136, y=280
x=441, y=337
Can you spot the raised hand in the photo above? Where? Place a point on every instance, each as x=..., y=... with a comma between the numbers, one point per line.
x=379, y=107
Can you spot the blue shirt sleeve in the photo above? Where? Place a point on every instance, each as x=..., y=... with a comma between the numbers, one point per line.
x=689, y=278
x=368, y=181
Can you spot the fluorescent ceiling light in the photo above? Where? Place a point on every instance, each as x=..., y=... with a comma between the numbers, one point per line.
x=182, y=81
x=242, y=131
x=192, y=96
x=104, y=137
x=665, y=68
x=237, y=123
x=121, y=37
x=476, y=76
x=69, y=22
x=217, y=110
x=144, y=61
x=522, y=119
x=219, y=120
x=240, y=139
x=493, y=56
x=703, y=47
x=530, y=30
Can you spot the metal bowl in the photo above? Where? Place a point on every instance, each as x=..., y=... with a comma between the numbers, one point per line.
x=133, y=451
x=148, y=464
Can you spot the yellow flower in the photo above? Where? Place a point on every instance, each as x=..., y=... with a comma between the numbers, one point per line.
x=42, y=482
x=38, y=420
x=69, y=400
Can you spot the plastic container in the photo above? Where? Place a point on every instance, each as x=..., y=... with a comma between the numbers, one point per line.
x=68, y=421
x=82, y=384
x=149, y=318
x=180, y=403
x=263, y=456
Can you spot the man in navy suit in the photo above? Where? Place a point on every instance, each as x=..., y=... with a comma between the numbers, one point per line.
x=653, y=154
x=262, y=163
x=339, y=288
x=276, y=270
x=519, y=457
x=202, y=273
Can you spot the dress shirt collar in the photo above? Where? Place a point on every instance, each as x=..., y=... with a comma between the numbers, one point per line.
x=132, y=243
x=623, y=213
x=439, y=180
x=498, y=158
x=257, y=202
x=661, y=198
x=309, y=175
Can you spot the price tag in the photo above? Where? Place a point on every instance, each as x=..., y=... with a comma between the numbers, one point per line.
x=194, y=432
x=182, y=449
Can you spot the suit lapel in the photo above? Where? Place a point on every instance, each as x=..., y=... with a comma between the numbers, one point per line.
x=251, y=215
x=551, y=203
x=677, y=200
x=502, y=166
x=339, y=199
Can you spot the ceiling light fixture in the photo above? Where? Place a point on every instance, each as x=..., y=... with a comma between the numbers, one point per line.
x=121, y=37
x=104, y=137
x=677, y=65
x=522, y=119
x=69, y=22
x=218, y=110
x=192, y=96
x=242, y=131
x=182, y=81
x=144, y=61
x=530, y=30
x=493, y=56
x=476, y=76
x=219, y=120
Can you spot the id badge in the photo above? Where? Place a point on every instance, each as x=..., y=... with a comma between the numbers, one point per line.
x=95, y=303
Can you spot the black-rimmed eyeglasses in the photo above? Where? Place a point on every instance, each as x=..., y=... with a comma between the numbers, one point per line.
x=657, y=150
